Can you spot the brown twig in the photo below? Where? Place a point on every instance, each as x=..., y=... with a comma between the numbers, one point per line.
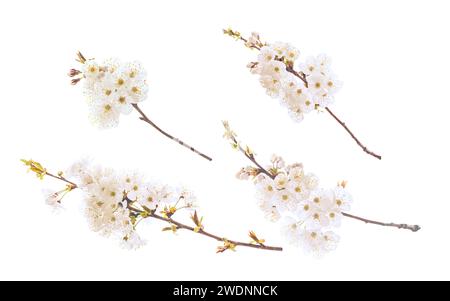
x=252, y=158
x=147, y=120
x=199, y=230
x=364, y=148
x=413, y=228
x=73, y=185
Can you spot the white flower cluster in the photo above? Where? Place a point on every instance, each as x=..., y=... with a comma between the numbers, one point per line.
x=307, y=213
x=108, y=195
x=275, y=61
x=111, y=89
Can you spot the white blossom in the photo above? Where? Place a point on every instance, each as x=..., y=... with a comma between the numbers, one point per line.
x=110, y=198
x=132, y=241
x=111, y=88
x=53, y=199
x=274, y=65
x=317, y=242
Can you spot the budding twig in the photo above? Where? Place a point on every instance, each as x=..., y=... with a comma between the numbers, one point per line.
x=72, y=184
x=216, y=237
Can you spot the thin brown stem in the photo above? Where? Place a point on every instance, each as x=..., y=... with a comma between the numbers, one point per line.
x=245, y=41
x=147, y=120
x=73, y=185
x=252, y=158
x=364, y=148
x=413, y=228
x=300, y=75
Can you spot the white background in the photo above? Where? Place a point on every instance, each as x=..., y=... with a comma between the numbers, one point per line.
x=393, y=57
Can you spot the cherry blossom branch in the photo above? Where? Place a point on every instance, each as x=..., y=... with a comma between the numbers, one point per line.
x=228, y=244
x=231, y=135
x=40, y=172
x=413, y=228
x=249, y=155
x=302, y=76
x=147, y=120
x=179, y=225
x=72, y=184
x=98, y=72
